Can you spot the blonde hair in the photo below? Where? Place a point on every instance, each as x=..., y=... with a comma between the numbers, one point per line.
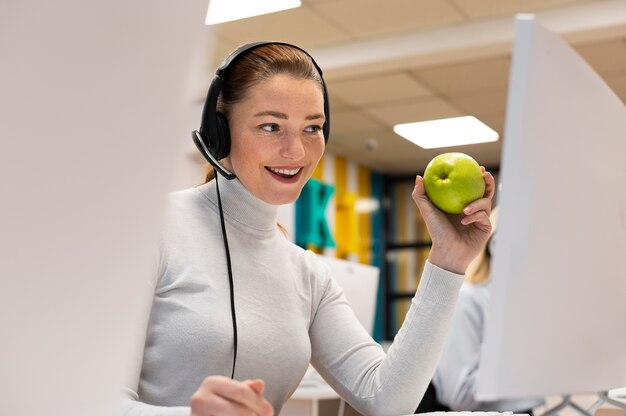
x=479, y=269
x=210, y=174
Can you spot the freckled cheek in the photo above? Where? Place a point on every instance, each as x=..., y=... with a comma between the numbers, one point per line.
x=314, y=154
x=253, y=152
x=315, y=151
x=314, y=146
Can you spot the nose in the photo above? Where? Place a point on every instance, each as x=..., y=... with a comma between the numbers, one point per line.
x=292, y=147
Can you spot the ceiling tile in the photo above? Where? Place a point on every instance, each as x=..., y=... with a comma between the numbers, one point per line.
x=606, y=57
x=357, y=143
x=336, y=103
x=482, y=104
x=412, y=111
x=352, y=122
x=393, y=154
x=382, y=88
x=495, y=121
x=301, y=26
x=484, y=8
x=363, y=18
x=618, y=85
x=467, y=77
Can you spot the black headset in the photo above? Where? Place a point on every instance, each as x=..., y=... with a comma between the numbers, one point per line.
x=213, y=138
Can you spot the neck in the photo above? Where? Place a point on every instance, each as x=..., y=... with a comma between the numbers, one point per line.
x=240, y=205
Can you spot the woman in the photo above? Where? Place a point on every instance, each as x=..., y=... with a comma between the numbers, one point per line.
x=289, y=310
x=455, y=377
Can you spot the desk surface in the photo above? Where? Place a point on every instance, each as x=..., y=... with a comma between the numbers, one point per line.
x=317, y=391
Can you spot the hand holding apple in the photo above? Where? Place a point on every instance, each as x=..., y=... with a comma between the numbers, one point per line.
x=452, y=181
x=456, y=239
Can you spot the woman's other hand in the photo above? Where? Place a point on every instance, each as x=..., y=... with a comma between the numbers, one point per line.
x=218, y=395
x=456, y=239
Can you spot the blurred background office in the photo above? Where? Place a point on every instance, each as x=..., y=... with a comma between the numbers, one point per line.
x=97, y=104
x=401, y=62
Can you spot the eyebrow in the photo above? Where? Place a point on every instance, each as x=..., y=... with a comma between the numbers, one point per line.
x=278, y=114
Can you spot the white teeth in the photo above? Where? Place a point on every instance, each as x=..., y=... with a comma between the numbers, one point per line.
x=288, y=172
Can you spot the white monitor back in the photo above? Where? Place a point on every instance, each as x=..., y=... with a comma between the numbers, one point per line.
x=94, y=106
x=556, y=323
x=360, y=286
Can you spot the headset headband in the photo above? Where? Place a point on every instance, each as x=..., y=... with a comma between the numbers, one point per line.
x=213, y=137
x=208, y=125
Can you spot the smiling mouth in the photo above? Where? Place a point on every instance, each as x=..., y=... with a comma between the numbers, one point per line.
x=284, y=173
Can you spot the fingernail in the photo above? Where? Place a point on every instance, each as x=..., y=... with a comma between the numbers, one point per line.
x=467, y=210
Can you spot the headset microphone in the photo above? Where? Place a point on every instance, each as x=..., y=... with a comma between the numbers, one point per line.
x=197, y=139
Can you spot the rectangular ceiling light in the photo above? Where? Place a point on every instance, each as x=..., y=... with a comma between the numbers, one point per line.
x=446, y=132
x=221, y=11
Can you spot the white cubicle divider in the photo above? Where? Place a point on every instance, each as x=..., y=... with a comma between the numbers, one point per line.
x=94, y=99
x=558, y=298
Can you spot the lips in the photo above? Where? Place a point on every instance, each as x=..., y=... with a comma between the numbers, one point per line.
x=284, y=172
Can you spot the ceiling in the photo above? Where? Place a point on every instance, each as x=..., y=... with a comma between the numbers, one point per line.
x=395, y=61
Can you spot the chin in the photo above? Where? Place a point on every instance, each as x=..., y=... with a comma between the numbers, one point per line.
x=282, y=198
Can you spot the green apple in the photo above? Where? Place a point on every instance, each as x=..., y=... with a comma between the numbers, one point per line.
x=452, y=181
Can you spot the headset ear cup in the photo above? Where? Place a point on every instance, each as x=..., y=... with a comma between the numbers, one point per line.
x=222, y=147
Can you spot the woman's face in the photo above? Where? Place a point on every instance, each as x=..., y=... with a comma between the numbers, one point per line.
x=276, y=137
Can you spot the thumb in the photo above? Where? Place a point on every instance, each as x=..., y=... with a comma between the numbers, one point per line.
x=258, y=386
x=419, y=187
x=420, y=197
x=428, y=211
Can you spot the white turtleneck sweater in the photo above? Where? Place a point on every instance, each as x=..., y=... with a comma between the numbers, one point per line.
x=290, y=312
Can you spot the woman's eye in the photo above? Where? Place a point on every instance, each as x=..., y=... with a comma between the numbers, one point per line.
x=269, y=127
x=313, y=129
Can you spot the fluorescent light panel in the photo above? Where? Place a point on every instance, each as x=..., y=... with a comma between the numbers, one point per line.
x=221, y=11
x=446, y=132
